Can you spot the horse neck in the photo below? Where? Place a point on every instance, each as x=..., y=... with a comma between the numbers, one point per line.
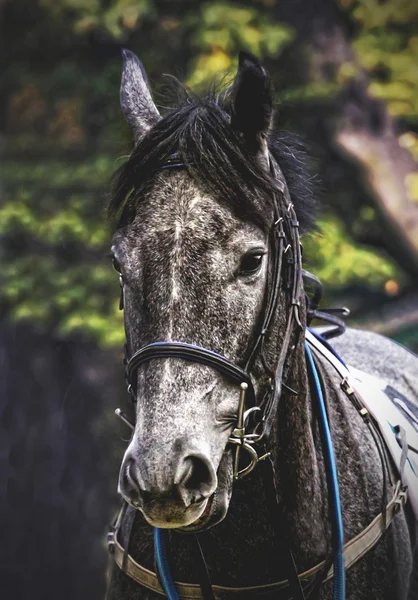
x=299, y=465
x=299, y=510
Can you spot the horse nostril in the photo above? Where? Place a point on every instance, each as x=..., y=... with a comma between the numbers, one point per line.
x=131, y=484
x=198, y=473
x=196, y=478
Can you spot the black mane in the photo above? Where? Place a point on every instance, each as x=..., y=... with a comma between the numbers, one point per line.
x=217, y=158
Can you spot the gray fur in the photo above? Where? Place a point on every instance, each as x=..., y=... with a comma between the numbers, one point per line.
x=180, y=258
x=174, y=255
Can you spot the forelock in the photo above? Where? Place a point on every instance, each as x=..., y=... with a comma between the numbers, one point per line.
x=215, y=156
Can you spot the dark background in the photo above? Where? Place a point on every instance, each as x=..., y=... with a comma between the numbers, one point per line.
x=346, y=77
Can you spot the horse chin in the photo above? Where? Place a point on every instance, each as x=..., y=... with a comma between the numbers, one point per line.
x=174, y=517
x=214, y=513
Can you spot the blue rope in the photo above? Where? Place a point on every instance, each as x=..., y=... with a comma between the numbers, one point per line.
x=162, y=565
x=337, y=521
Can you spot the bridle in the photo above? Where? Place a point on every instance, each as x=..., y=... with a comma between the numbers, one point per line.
x=286, y=251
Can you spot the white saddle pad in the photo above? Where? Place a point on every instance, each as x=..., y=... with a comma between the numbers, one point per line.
x=391, y=410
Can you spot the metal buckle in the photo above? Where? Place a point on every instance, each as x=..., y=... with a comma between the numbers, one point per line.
x=346, y=387
x=243, y=440
x=111, y=541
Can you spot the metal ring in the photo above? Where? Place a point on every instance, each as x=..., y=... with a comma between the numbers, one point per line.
x=254, y=457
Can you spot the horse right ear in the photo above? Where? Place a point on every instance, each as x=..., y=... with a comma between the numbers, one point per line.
x=252, y=101
x=135, y=97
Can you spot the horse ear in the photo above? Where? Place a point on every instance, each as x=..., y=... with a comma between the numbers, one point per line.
x=135, y=96
x=252, y=100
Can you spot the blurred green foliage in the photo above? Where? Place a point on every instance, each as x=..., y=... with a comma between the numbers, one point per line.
x=338, y=263
x=218, y=30
x=386, y=45
x=65, y=135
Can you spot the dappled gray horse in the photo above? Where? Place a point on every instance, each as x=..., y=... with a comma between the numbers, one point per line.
x=209, y=207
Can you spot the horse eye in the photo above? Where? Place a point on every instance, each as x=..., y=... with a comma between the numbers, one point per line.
x=251, y=263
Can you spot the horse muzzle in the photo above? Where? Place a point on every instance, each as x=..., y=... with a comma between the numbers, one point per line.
x=170, y=492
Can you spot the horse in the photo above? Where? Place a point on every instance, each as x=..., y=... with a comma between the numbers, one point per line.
x=232, y=487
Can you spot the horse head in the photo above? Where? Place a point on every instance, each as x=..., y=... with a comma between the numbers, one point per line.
x=203, y=210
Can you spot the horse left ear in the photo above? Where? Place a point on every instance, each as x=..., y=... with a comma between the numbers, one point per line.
x=252, y=100
x=135, y=96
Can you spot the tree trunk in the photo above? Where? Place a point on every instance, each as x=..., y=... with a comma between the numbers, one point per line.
x=368, y=136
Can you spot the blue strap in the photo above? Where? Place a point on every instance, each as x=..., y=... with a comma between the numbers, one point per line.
x=334, y=491
x=162, y=565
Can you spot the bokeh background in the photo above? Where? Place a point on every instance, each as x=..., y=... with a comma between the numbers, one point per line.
x=346, y=77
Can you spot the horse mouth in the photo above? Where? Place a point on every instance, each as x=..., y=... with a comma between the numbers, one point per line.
x=170, y=520
x=218, y=503
x=208, y=518
x=199, y=516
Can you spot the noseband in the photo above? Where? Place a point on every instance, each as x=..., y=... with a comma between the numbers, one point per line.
x=286, y=250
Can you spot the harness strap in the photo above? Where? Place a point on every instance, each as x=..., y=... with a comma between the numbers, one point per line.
x=353, y=551
x=203, y=571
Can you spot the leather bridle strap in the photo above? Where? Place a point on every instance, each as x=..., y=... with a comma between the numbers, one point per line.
x=191, y=353
x=278, y=243
x=270, y=405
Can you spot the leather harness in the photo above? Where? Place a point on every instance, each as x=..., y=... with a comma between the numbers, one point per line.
x=354, y=550
x=286, y=252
